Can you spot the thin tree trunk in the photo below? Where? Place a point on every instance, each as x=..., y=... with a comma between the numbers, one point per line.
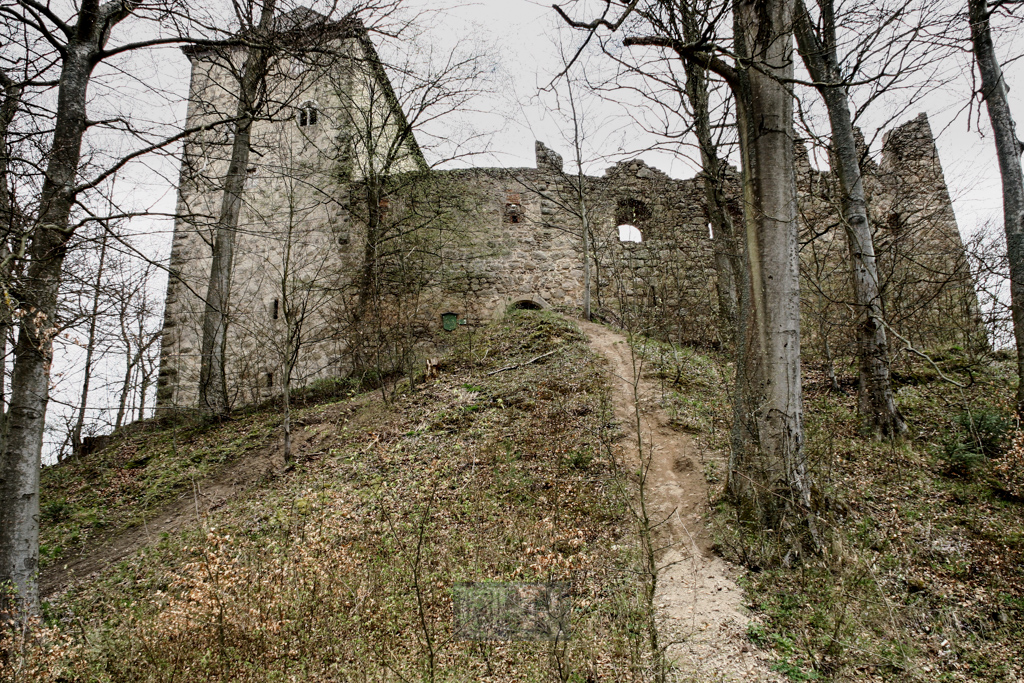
x=90, y=347
x=1008, y=150
x=213, y=392
x=875, y=398
x=728, y=263
x=143, y=386
x=126, y=385
x=291, y=336
x=586, y=247
x=581, y=201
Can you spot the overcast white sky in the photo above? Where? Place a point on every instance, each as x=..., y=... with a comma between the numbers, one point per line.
x=521, y=33
x=520, y=36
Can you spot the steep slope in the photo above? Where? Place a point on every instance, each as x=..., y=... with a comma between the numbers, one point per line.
x=506, y=467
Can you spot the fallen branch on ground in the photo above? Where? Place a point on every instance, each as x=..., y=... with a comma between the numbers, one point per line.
x=513, y=367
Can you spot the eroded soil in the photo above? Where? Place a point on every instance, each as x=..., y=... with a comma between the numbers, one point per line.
x=699, y=605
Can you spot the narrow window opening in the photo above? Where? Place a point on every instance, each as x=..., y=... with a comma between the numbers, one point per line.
x=277, y=308
x=270, y=380
x=250, y=177
x=307, y=115
x=513, y=208
x=711, y=231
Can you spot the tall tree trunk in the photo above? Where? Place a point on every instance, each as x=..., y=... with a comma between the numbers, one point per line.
x=10, y=227
x=769, y=476
x=875, y=399
x=19, y=488
x=1008, y=150
x=90, y=347
x=213, y=392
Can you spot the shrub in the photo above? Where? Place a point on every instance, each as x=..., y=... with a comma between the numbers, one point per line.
x=986, y=429
x=960, y=457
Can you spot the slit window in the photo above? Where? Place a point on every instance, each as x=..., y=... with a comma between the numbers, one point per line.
x=307, y=115
x=276, y=309
x=513, y=208
x=270, y=380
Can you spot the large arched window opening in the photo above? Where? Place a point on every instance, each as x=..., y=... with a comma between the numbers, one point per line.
x=630, y=215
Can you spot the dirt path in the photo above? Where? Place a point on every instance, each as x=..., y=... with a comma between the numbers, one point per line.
x=699, y=605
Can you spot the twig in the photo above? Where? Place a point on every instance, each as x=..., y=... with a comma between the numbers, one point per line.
x=513, y=367
x=910, y=347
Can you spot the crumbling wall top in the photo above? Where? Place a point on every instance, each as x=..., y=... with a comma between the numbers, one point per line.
x=547, y=158
x=913, y=141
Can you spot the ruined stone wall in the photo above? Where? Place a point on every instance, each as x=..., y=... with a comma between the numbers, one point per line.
x=927, y=294
x=927, y=291
x=472, y=242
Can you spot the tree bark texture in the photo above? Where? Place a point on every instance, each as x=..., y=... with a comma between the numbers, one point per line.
x=213, y=392
x=10, y=236
x=875, y=399
x=1008, y=151
x=769, y=476
x=19, y=477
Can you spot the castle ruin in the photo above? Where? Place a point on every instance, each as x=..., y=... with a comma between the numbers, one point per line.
x=347, y=235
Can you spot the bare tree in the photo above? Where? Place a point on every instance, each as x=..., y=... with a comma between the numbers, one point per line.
x=305, y=283
x=48, y=64
x=135, y=339
x=876, y=48
x=80, y=45
x=768, y=472
x=390, y=109
x=1008, y=150
x=90, y=344
x=213, y=391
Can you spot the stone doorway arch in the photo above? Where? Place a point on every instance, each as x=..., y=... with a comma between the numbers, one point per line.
x=528, y=302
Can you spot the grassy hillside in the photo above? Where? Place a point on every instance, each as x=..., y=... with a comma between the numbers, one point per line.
x=343, y=568
x=922, y=574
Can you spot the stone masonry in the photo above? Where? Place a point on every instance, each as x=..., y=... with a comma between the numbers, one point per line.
x=492, y=237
